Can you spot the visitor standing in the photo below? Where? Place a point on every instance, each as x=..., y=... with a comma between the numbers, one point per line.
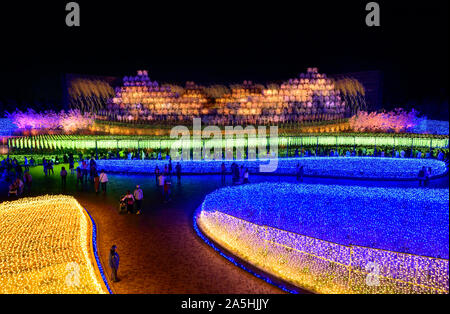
x=92, y=168
x=25, y=163
x=246, y=176
x=114, y=263
x=103, y=180
x=84, y=168
x=96, y=181
x=63, y=175
x=28, y=179
x=161, y=180
x=157, y=174
x=422, y=176
x=79, y=176
x=44, y=164
x=167, y=190
x=241, y=174
x=71, y=164
x=50, y=166
x=138, y=196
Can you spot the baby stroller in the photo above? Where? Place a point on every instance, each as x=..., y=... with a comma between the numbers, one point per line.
x=122, y=206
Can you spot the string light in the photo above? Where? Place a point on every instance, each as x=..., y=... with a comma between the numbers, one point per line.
x=58, y=141
x=46, y=247
x=263, y=223
x=360, y=167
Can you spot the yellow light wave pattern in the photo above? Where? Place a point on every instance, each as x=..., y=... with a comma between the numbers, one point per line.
x=46, y=248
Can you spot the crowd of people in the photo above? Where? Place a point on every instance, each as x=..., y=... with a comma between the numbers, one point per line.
x=310, y=97
x=18, y=175
x=425, y=176
x=19, y=178
x=163, y=179
x=240, y=175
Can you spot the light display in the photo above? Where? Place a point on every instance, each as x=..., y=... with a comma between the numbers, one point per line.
x=311, y=97
x=432, y=127
x=7, y=127
x=69, y=122
x=88, y=94
x=397, y=121
x=46, y=248
x=141, y=99
x=365, y=229
x=353, y=93
x=361, y=167
x=78, y=142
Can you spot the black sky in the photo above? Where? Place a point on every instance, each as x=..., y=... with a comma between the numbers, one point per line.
x=224, y=42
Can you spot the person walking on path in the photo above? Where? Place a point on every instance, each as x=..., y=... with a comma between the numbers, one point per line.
x=138, y=197
x=114, y=263
x=96, y=181
x=103, y=180
x=63, y=175
x=129, y=201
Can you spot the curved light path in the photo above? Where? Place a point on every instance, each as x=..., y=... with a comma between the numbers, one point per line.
x=285, y=230
x=341, y=167
x=46, y=247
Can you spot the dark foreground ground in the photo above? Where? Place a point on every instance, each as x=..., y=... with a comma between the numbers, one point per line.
x=159, y=250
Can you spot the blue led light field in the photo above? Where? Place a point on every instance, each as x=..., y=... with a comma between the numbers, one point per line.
x=414, y=221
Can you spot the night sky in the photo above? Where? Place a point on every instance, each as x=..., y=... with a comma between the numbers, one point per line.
x=227, y=42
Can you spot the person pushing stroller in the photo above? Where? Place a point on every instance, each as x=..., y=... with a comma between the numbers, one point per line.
x=128, y=201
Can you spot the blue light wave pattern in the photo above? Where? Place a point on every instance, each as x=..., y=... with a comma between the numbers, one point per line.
x=359, y=167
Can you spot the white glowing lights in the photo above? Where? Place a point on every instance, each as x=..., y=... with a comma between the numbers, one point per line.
x=46, y=247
